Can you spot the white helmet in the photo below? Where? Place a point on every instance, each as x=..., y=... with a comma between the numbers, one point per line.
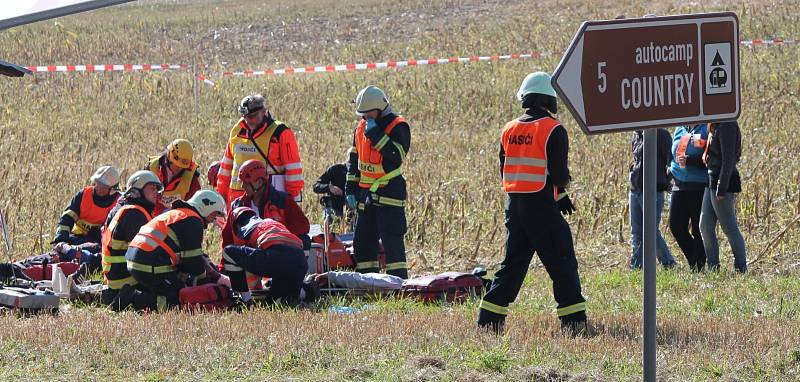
x=371, y=98
x=106, y=175
x=206, y=202
x=142, y=178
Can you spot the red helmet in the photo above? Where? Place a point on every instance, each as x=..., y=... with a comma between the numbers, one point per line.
x=239, y=212
x=213, y=170
x=252, y=170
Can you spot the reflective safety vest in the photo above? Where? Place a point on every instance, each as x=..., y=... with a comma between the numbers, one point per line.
x=270, y=232
x=370, y=159
x=179, y=186
x=525, y=147
x=243, y=149
x=109, y=244
x=153, y=235
x=91, y=215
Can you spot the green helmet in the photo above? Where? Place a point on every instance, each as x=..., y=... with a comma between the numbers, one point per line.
x=537, y=82
x=371, y=98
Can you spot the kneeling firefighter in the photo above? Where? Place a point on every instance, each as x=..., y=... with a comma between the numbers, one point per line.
x=169, y=247
x=134, y=210
x=270, y=250
x=533, y=163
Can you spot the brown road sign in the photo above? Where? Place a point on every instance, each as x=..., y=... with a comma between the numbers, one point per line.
x=652, y=72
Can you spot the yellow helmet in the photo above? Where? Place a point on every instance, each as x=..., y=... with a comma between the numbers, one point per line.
x=180, y=153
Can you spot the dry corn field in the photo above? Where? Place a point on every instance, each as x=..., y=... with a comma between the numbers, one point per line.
x=55, y=129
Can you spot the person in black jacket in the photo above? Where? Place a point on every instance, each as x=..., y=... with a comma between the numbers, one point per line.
x=724, y=149
x=533, y=160
x=332, y=184
x=663, y=159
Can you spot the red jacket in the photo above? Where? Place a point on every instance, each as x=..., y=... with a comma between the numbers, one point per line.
x=276, y=205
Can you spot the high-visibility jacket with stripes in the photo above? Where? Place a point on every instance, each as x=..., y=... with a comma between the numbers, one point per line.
x=178, y=187
x=158, y=248
x=118, y=233
x=525, y=147
x=89, y=216
x=376, y=160
x=270, y=232
x=274, y=140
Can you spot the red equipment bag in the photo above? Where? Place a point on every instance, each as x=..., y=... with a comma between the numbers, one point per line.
x=45, y=271
x=338, y=257
x=448, y=286
x=206, y=297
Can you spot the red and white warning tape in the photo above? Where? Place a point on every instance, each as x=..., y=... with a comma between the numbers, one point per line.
x=775, y=41
x=334, y=68
x=383, y=65
x=106, y=68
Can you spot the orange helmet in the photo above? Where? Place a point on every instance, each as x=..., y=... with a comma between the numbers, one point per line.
x=252, y=170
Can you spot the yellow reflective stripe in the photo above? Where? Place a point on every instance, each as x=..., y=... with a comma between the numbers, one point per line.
x=231, y=265
x=353, y=178
x=191, y=253
x=114, y=259
x=401, y=150
x=396, y=266
x=173, y=236
x=382, y=142
x=118, y=284
x=63, y=228
x=386, y=178
x=567, y=310
x=71, y=213
x=389, y=201
x=118, y=244
x=561, y=196
x=497, y=309
x=150, y=269
x=161, y=303
x=368, y=265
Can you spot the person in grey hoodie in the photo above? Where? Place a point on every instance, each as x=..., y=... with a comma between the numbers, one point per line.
x=723, y=151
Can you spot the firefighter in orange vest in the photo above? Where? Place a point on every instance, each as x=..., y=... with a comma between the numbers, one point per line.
x=134, y=210
x=177, y=172
x=257, y=135
x=81, y=221
x=375, y=183
x=269, y=250
x=533, y=162
x=169, y=248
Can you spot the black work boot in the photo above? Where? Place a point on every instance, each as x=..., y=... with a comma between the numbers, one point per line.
x=123, y=299
x=311, y=289
x=492, y=322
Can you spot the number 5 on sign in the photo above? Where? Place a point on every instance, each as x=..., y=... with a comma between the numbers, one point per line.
x=601, y=76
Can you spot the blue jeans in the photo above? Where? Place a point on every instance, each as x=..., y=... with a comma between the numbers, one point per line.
x=724, y=212
x=663, y=254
